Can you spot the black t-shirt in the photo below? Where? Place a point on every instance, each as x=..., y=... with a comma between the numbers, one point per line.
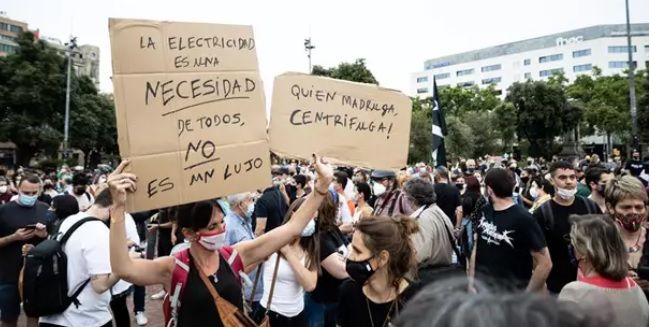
x=13, y=217
x=272, y=206
x=198, y=308
x=505, y=240
x=353, y=306
x=635, y=167
x=557, y=235
x=326, y=290
x=448, y=199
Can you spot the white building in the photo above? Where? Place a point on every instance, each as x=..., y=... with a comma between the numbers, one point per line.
x=85, y=59
x=573, y=53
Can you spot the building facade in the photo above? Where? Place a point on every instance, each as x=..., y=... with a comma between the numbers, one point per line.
x=85, y=59
x=9, y=30
x=573, y=53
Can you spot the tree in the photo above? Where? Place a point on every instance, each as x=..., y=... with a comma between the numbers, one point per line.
x=459, y=139
x=458, y=100
x=543, y=114
x=420, y=132
x=355, y=72
x=643, y=108
x=505, y=120
x=32, y=95
x=485, y=133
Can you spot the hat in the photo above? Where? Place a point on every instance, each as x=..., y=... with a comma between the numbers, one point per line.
x=382, y=174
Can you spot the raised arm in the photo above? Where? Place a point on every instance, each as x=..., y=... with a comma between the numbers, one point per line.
x=254, y=251
x=136, y=271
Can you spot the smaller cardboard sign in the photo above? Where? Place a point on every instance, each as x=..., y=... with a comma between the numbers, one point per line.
x=350, y=123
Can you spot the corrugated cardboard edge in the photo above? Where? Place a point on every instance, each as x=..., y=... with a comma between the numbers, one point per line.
x=378, y=87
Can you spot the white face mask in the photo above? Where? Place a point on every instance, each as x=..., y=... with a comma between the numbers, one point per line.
x=534, y=193
x=3, y=189
x=378, y=189
x=566, y=194
x=211, y=241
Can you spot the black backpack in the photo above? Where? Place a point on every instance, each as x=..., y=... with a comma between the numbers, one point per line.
x=45, y=276
x=548, y=215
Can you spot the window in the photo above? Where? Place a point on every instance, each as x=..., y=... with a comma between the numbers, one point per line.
x=442, y=75
x=422, y=90
x=6, y=37
x=550, y=72
x=465, y=72
x=646, y=48
x=550, y=58
x=422, y=79
x=581, y=53
x=582, y=68
x=528, y=75
x=620, y=64
x=15, y=29
x=466, y=84
x=491, y=68
x=620, y=49
x=4, y=26
x=527, y=62
x=7, y=48
x=492, y=80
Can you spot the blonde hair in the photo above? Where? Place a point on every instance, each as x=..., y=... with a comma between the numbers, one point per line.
x=402, y=178
x=623, y=188
x=597, y=237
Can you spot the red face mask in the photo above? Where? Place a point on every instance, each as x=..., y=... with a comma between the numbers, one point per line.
x=631, y=222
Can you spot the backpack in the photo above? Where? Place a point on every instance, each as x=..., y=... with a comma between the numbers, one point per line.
x=172, y=301
x=45, y=277
x=548, y=215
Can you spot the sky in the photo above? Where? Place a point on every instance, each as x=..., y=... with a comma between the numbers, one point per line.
x=395, y=37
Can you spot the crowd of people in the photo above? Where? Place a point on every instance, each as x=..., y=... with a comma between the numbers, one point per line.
x=486, y=242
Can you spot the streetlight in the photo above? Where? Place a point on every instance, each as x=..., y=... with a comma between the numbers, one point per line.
x=632, y=101
x=69, y=50
x=308, y=47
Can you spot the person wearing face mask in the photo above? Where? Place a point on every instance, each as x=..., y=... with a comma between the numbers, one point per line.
x=79, y=191
x=626, y=203
x=22, y=222
x=380, y=258
x=541, y=191
x=390, y=201
x=553, y=215
x=526, y=177
x=239, y=222
x=596, y=179
x=634, y=166
x=297, y=272
x=603, y=284
x=5, y=193
x=191, y=275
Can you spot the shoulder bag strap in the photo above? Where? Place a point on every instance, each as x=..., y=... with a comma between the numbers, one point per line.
x=451, y=239
x=254, y=287
x=272, y=285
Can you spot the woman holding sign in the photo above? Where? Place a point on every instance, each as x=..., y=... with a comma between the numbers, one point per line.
x=205, y=277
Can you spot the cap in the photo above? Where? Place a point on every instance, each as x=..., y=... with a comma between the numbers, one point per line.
x=381, y=174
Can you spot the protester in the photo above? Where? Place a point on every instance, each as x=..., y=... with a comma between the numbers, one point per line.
x=271, y=207
x=510, y=247
x=363, y=195
x=553, y=215
x=297, y=272
x=601, y=257
x=448, y=196
x=120, y=292
x=322, y=303
x=63, y=206
x=541, y=191
x=205, y=231
x=89, y=268
x=381, y=256
x=22, y=221
x=5, y=192
x=162, y=226
x=472, y=202
x=527, y=175
x=79, y=191
x=390, y=201
x=626, y=202
x=301, y=186
x=634, y=166
x=596, y=179
x=345, y=205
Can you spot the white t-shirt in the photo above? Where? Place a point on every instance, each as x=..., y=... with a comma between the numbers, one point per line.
x=288, y=296
x=85, y=200
x=131, y=235
x=88, y=254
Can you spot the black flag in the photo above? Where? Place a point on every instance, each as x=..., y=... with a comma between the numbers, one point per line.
x=439, y=130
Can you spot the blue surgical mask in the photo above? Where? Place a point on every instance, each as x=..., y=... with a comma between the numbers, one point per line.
x=27, y=200
x=309, y=230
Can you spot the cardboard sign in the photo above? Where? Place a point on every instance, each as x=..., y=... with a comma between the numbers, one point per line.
x=351, y=123
x=190, y=110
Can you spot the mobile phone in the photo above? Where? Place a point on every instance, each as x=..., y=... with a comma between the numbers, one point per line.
x=32, y=226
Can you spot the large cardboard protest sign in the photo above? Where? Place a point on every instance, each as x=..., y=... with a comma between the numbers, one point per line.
x=190, y=110
x=350, y=123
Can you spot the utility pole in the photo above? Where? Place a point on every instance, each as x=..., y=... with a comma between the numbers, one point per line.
x=308, y=46
x=69, y=50
x=632, y=100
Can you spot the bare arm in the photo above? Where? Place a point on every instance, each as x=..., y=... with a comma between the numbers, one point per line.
x=4, y=241
x=307, y=278
x=261, y=226
x=458, y=216
x=542, y=267
x=334, y=264
x=255, y=251
x=102, y=283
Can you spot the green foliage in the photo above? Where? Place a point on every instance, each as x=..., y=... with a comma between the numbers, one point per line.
x=643, y=107
x=460, y=142
x=458, y=100
x=505, y=121
x=355, y=72
x=485, y=132
x=420, y=132
x=543, y=114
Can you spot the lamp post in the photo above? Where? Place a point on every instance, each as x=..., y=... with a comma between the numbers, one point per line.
x=632, y=100
x=69, y=50
x=308, y=46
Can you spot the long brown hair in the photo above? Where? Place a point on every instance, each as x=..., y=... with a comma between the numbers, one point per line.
x=310, y=245
x=327, y=214
x=391, y=234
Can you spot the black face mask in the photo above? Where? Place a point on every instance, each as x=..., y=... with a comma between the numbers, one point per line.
x=459, y=186
x=359, y=271
x=79, y=190
x=525, y=180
